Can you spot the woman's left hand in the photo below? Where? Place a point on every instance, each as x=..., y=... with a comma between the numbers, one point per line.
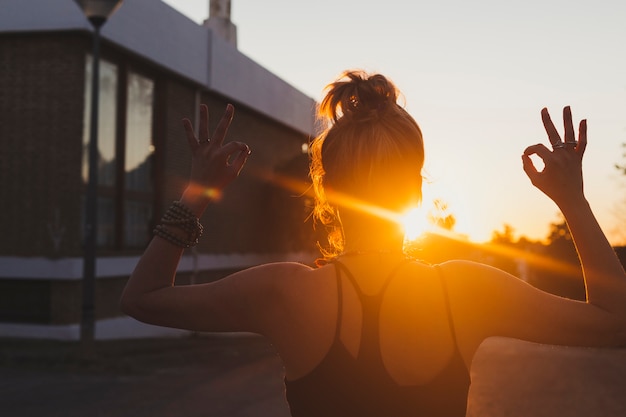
x=214, y=164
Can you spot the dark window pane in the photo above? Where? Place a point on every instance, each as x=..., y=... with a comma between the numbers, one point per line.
x=106, y=222
x=137, y=215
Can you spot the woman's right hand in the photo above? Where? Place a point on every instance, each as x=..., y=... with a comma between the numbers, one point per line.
x=561, y=178
x=214, y=164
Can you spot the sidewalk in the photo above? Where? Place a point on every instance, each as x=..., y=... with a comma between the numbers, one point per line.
x=513, y=378
x=207, y=376
x=241, y=376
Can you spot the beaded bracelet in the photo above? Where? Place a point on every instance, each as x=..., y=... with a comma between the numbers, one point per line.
x=182, y=218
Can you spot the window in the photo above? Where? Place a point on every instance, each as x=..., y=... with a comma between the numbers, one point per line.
x=125, y=150
x=138, y=164
x=107, y=162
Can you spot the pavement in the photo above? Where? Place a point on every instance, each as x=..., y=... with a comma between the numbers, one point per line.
x=514, y=378
x=215, y=375
x=241, y=376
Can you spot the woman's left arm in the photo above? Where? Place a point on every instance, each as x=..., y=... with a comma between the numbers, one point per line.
x=250, y=300
x=230, y=304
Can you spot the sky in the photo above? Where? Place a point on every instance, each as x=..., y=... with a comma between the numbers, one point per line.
x=475, y=76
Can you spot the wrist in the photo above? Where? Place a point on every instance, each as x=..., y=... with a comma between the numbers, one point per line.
x=571, y=201
x=179, y=226
x=571, y=207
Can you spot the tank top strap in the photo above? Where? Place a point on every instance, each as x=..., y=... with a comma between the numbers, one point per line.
x=392, y=275
x=340, y=266
x=342, y=269
x=369, y=350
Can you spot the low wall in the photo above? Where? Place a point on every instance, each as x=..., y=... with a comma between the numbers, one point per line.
x=513, y=378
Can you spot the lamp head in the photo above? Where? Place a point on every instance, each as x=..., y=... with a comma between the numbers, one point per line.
x=98, y=11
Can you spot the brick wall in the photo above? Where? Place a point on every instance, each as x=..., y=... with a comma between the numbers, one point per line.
x=248, y=217
x=41, y=116
x=42, y=78
x=257, y=207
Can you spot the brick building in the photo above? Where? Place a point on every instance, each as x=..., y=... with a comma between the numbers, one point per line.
x=156, y=67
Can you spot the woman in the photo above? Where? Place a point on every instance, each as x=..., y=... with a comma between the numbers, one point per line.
x=371, y=332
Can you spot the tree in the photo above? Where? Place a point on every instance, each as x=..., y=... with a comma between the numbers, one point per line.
x=504, y=251
x=506, y=237
x=560, y=243
x=560, y=273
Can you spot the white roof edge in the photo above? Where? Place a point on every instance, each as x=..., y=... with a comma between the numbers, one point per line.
x=162, y=35
x=71, y=268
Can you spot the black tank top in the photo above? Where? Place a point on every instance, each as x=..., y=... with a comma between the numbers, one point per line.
x=342, y=385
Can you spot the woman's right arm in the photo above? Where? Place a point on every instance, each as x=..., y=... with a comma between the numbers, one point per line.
x=562, y=181
x=489, y=302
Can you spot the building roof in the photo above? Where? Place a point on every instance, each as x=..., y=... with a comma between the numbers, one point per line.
x=162, y=35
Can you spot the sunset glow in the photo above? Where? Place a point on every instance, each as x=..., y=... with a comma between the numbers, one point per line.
x=414, y=223
x=478, y=109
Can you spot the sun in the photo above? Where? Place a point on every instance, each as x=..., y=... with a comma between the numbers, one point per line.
x=414, y=223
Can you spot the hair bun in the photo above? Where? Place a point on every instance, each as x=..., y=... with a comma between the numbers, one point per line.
x=358, y=96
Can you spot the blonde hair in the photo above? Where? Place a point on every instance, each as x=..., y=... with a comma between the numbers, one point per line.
x=372, y=150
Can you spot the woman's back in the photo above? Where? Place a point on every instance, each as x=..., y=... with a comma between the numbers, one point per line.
x=391, y=346
x=370, y=333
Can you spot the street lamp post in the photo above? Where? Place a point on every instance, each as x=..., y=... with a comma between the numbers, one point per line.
x=97, y=11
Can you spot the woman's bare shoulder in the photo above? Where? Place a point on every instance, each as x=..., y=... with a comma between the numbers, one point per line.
x=464, y=272
x=276, y=279
x=474, y=285
x=276, y=272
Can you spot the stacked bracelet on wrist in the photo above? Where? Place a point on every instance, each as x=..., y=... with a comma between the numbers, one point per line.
x=180, y=217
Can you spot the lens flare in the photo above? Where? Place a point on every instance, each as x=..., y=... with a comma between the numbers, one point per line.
x=414, y=223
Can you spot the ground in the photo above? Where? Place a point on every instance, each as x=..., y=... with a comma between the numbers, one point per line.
x=193, y=376
x=241, y=376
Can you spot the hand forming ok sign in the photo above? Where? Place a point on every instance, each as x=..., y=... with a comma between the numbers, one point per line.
x=561, y=178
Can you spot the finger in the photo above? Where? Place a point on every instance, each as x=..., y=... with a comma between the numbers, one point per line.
x=233, y=148
x=204, y=123
x=191, y=136
x=582, y=137
x=240, y=160
x=553, y=134
x=569, y=127
x=529, y=167
x=222, y=126
x=540, y=150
